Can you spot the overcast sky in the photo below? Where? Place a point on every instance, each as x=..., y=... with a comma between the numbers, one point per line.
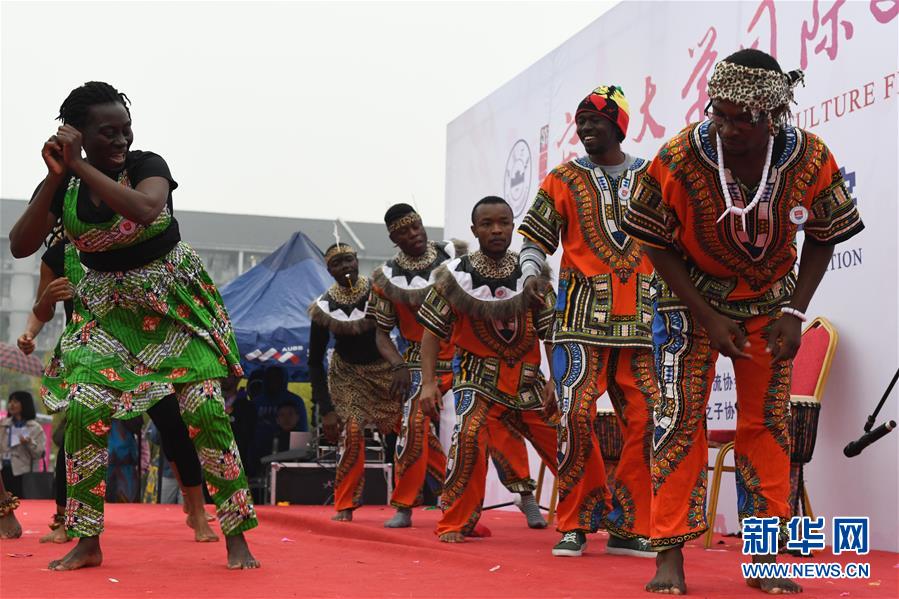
x=300, y=109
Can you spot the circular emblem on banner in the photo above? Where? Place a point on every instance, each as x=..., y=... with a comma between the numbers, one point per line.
x=517, y=178
x=624, y=193
x=798, y=215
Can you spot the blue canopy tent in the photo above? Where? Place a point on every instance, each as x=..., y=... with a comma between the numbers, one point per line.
x=268, y=303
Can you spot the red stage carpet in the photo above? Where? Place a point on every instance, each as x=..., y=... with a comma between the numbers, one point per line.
x=149, y=552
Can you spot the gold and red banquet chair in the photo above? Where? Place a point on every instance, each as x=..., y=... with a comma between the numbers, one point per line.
x=811, y=367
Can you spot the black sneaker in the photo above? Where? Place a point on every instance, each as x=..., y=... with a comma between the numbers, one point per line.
x=571, y=545
x=635, y=547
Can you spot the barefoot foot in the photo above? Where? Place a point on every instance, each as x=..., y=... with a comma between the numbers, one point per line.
x=775, y=586
x=85, y=554
x=197, y=516
x=452, y=537
x=57, y=535
x=343, y=516
x=203, y=533
x=209, y=517
x=239, y=556
x=669, y=578
x=10, y=527
x=772, y=586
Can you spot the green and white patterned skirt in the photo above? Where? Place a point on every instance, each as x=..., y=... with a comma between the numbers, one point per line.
x=141, y=332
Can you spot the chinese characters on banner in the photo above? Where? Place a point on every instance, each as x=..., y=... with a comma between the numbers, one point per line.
x=832, y=25
x=699, y=78
x=543, y=162
x=820, y=34
x=568, y=142
x=721, y=411
x=649, y=123
x=765, y=5
x=884, y=11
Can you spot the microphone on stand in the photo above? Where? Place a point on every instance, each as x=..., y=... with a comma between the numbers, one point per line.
x=856, y=447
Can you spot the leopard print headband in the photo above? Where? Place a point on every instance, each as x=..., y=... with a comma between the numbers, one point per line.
x=403, y=221
x=340, y=248
x=757, y=90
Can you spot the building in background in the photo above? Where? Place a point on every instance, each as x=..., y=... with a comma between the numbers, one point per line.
x=229, y=244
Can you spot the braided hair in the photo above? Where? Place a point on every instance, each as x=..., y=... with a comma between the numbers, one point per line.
x=75, y=107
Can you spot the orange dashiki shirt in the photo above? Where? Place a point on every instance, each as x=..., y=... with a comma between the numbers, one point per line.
x=741, y=273
x=605, y=280
x=495, y=332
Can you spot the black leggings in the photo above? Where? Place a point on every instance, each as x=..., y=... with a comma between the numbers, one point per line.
x=176, y=445
x=13, y=484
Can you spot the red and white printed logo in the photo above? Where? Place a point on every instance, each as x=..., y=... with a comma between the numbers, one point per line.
x=798, y=215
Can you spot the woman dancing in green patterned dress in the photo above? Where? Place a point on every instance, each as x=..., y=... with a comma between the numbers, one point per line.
x=148, y=320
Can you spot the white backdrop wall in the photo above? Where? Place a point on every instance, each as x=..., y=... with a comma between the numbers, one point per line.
x=662, y=54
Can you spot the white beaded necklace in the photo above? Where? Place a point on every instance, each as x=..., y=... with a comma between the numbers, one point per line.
x=763, y=183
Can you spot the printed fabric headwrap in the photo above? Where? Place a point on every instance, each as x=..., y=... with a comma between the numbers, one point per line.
x=404, y=220
x=756, y=90
x=609, y=102
x=338, y=249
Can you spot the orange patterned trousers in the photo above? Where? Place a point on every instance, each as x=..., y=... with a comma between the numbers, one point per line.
x=478, y=419
x=686, y=366
x=582, y=373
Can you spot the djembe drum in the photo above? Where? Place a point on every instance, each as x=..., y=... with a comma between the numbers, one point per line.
x=803, y=435
x=803, y=429
x=609, y=434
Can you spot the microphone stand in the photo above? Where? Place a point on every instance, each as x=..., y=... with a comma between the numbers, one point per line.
x=871, y=419
x=856, y=447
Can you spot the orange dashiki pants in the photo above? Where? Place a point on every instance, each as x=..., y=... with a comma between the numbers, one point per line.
x=478, y=419
x=350, y=478
x=686, y=366
x=583, y=372
x=419, y=455
x=509, y=454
